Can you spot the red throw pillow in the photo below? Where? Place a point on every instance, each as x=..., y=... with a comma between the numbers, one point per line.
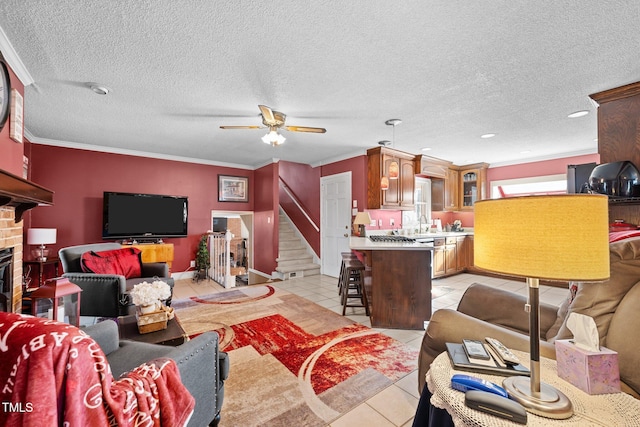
x=125, y=262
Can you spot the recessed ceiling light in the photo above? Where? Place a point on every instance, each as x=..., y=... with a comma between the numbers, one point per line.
x=98, y=88
x=487, y=135
x=580, y=113
x=426, y=149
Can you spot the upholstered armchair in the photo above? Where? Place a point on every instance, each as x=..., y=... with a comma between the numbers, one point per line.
x=106, y=295
x=203, y=367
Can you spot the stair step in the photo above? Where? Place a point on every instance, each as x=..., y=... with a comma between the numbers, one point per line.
x=292, y=244
x=295, y=262
x=303, y=267
x=294, y=255
x=293, y=259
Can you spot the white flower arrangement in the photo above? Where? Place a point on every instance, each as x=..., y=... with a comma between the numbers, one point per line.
x=146, y=293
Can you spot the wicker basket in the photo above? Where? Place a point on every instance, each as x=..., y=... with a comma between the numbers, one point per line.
x=151, y=322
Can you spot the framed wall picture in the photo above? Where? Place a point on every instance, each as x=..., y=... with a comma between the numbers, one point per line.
x=233, y=188
x=16, y=116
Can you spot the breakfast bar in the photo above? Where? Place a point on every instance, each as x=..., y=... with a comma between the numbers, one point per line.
x=399, y=276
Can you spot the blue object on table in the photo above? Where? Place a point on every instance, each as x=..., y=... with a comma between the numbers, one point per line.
x=465, y=383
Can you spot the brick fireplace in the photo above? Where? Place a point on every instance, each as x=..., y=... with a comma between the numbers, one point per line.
x=17, y=195
x=11, y=237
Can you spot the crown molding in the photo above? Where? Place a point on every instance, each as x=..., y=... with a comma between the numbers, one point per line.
x=112, y=150
x=11, y=57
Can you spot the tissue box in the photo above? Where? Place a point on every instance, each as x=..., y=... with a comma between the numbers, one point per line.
x=594, y=372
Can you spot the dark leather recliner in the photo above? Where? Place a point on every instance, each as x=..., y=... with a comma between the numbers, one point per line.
x=106, y=295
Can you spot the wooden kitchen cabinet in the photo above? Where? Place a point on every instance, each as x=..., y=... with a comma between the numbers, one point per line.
x=439, y=258
x=432, y=167
x=472, y=185
x=451, y=183
x=452, y=255
x=400, y=194
x=462, y=253
x=444, y=256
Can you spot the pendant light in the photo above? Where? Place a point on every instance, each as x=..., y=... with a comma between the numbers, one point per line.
x=384, y=183
x=394, y=168
x=393, y=171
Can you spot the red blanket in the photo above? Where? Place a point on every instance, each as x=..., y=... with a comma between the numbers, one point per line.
x=52, y=373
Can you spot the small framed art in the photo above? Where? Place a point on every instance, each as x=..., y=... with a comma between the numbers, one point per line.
x=16, y=116
x=233, y=188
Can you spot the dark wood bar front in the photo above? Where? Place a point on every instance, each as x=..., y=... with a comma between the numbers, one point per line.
x=399, y=280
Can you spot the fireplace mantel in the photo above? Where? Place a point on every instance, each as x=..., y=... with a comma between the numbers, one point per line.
x=22, y=194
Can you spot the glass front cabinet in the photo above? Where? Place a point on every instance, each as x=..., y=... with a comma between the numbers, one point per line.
x=472, y=182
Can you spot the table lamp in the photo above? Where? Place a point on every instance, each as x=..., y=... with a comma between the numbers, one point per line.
x=41, y=236
x=555, y=238
x=362, y=219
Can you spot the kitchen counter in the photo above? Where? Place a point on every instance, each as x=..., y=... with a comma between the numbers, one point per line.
x=365, y=244
x=444, y=234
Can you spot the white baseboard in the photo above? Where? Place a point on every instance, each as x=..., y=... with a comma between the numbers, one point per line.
x=182, y=275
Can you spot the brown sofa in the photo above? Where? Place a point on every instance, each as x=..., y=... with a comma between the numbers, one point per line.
x=485, y=311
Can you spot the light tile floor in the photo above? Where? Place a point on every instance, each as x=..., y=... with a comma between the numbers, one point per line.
x=396, y=405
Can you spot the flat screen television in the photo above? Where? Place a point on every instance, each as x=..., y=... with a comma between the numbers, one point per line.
x=143, y=216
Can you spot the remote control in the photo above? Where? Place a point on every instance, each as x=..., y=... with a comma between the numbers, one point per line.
x=465, y=383
x=503, y=352
x=475, y=350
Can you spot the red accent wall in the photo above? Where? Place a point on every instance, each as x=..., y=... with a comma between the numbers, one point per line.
x=542, y=168
x=10, y=151
x=79, y=177
x=304, y=182
x=265, y=217
x=358, y=167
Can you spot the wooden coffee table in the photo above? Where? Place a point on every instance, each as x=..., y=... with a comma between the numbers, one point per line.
x=174, y=335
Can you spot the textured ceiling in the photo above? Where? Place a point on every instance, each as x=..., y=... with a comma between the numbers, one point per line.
x=451, y=70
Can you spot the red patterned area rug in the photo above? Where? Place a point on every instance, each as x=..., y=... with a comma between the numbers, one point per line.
x=293, y=362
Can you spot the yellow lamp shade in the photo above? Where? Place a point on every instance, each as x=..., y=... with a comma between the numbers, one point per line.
x=559, y=237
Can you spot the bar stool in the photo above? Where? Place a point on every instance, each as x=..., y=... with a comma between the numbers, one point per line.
x=346, y=256
x=353, y=286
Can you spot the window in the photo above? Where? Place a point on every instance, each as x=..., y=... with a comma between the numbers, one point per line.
x=539, y=185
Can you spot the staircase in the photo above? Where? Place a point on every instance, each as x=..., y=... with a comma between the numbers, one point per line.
x=295, y=259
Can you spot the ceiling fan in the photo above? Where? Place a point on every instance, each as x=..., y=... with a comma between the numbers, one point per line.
x=275, y=120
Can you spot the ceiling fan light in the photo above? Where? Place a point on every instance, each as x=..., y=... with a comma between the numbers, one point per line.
x=273, y=138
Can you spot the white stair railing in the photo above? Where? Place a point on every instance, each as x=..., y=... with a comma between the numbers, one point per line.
x=220, y=253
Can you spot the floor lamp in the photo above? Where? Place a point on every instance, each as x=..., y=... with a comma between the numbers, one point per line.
x=555, y=238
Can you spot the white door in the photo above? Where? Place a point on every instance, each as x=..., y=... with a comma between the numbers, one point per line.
x=335, y=220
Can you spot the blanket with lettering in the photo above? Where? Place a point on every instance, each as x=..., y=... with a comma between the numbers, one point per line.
x=52, y=373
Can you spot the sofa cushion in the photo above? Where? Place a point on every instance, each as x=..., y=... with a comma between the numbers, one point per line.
x=601, y=300
x=563, y=311
x=125, y=262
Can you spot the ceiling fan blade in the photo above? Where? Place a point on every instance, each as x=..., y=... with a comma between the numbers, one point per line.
x=241, y=127
x=267, y=115
x=305, y=129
